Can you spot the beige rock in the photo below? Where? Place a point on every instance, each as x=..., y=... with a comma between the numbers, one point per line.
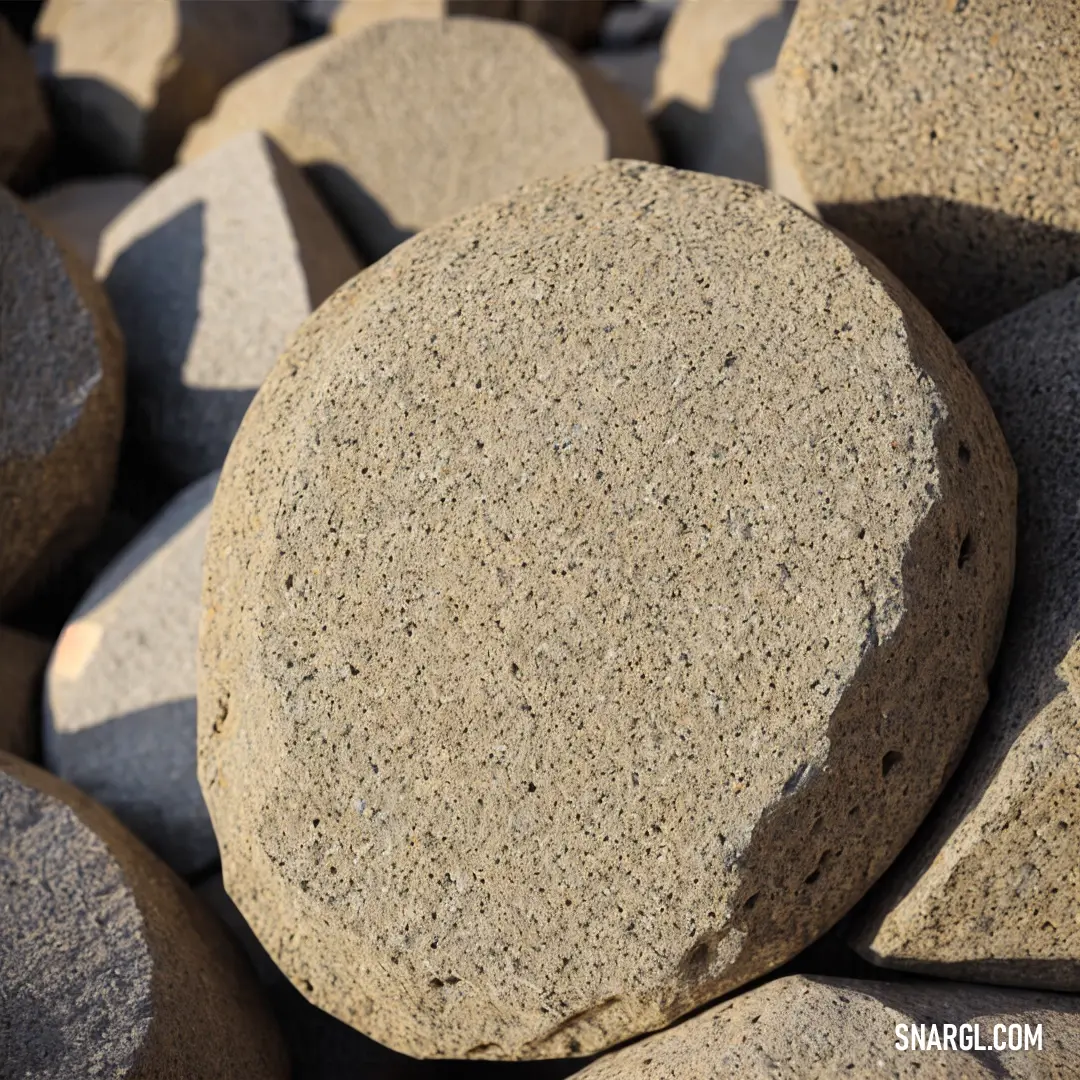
x=991, y=891
x=131, y=77
x=813, y=1028
x=25, y=128
x=80, y=210
x=714, y=104
x=575, y=612
x=942, y=137
x=22, y=661
x=405, y=123
x=61, y=402
x=110, y=965
x=576, y=23
x=210, y=271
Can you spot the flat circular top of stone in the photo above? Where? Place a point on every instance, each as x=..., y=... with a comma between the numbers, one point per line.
x=535, y=580
x=50, y=355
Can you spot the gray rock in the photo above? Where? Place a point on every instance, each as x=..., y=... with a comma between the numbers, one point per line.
x=991, y=890
x=598, y=594
x=128, y=79
x=814, y=1028
x=119, y=704
x=210, y=271
x=109, y=965
x=61, y=402
x=25, y=128
x=80, y=210
x=22, y=661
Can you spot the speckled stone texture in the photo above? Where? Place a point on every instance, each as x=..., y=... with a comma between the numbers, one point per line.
x=129, y=78
x=943, y=137
x=22, y=661
x=110, y=966
x=25, y=127
x=814, y=1028
x=576, y=23
x=714, y=104
x=80, y=210
x=598, y=593
x=209, y=271
x=119, y=704
x=992, y=888
x=61, y=402
x=404, y=123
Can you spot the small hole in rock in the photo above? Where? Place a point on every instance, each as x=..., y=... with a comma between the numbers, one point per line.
x=964, y=454
x=750, y=902
x=813, y=876
x=965, y=551
x=436, y=983
x=892, y=758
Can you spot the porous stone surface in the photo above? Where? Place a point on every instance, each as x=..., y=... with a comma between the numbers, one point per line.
x=22, y=660
x=714, y=104
x=80, y=210
x=577, y=23
x=119, y=703
x=990, y=890
x=209, y=271
x=130, y=78
x=404, y=123
x=25, y=127
x=61, y=402
x=942, y=137
x=598, y=593
x=814, y=1028
x=110, y=966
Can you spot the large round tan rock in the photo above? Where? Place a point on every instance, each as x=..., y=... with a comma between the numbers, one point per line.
x=576, y=23
x=110, y=966
x=129, y=78
x=598, y=593
x=992, y=889
x=22, y=661
x=80, y=210
x=210, y=271
x=942, y=136
x=405, y=123
x=814, y=1028
x=25, y=128
x=61, y=402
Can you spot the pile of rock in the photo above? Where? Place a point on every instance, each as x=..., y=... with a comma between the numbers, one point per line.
x=542, y=579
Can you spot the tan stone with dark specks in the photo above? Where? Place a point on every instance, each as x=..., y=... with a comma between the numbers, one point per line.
x=814, y=1028
x=404, y=123
x=61, y=402
x=598, y=593
x=25, y=128
x=992, y=890
x=130, y=78
x=942, y=135
x=110, y=965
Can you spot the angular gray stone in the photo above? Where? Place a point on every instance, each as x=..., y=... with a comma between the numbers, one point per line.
x=61, y=402
x=405, y=123
x=942, y=137
x=129, y=78
x=598, y=594
x=210, y=271
x=22, y=661
x=80, y=210
x=814, y=1028
x=119, y=703
x=25, y=127
x=109, y=965
x=991, y=890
